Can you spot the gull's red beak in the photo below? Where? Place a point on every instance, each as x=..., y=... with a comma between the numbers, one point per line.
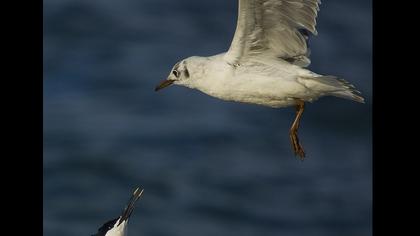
x=164, y=84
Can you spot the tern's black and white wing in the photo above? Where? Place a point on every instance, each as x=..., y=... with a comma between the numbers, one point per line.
x=117, y=226
x=274, y=28
x=125, y=215
x=106, y=227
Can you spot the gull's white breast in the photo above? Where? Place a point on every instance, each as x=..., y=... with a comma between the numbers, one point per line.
x=269, y=83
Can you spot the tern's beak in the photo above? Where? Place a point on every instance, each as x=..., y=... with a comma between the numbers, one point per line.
x=164, y=84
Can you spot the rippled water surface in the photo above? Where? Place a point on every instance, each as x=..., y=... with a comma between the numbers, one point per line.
x=208, y=167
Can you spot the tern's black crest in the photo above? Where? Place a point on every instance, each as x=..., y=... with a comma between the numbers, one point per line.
x=106, y=227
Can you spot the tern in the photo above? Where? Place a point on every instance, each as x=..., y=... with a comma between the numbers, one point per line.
x=266, y=62
x=118, y=226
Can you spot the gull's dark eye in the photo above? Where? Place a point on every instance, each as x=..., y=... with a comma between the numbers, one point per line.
x=176, y=73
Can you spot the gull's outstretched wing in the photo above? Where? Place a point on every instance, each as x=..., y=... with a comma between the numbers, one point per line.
x=274, y=28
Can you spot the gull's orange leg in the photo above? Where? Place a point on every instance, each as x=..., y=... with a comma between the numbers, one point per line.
x=297, y=148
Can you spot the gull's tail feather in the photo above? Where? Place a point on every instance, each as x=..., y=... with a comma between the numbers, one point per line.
x=341, y=88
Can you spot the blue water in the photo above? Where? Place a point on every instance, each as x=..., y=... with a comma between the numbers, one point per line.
x=209, y=167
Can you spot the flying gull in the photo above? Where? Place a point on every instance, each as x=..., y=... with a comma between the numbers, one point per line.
x=266, y=62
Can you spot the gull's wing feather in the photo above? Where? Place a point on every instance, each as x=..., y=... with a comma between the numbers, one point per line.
x=274, y=28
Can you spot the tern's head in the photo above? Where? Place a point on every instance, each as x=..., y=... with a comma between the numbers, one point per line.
x=182, y=73
x=113, y=228
x=118, y=226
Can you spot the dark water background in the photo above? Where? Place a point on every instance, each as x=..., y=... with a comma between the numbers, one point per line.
x=208, y=167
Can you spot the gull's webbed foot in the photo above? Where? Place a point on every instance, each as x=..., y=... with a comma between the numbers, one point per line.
x=297, y=147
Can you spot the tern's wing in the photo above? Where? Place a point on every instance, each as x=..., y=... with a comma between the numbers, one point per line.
x=110, y=225
x=105, y=227
x=274, y=28
x=130, y=206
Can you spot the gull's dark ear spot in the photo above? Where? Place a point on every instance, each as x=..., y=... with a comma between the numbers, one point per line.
x=187, y=73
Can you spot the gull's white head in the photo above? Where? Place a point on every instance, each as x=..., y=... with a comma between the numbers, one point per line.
x=183, y=73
